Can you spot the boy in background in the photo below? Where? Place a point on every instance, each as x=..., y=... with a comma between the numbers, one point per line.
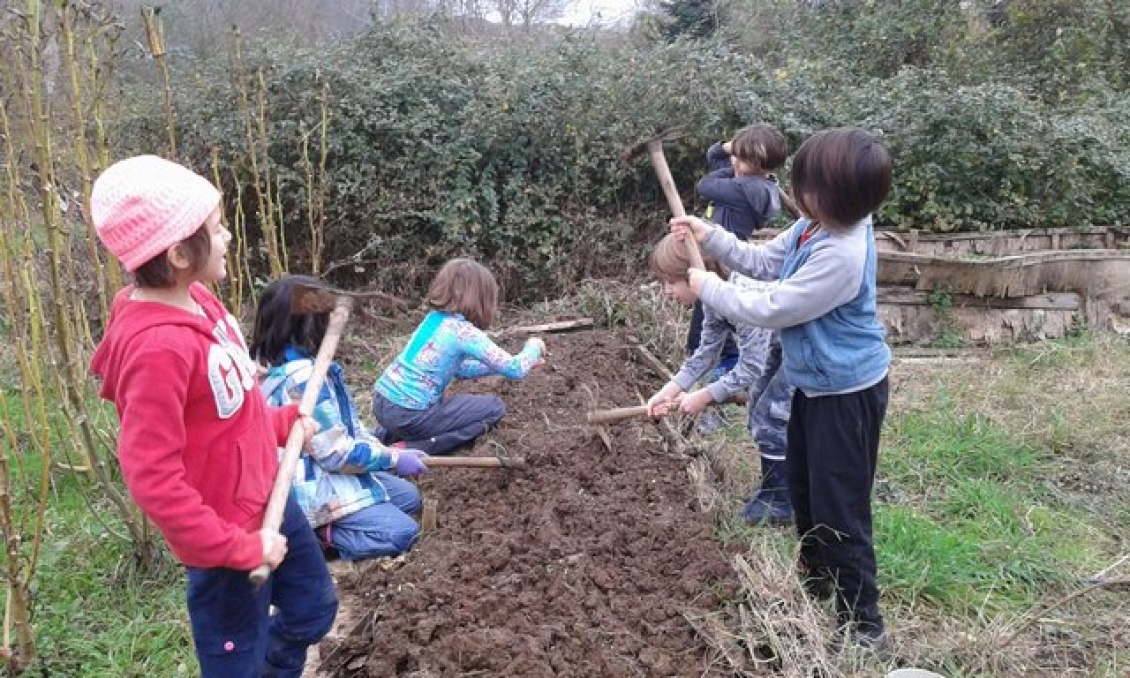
x=744, y=197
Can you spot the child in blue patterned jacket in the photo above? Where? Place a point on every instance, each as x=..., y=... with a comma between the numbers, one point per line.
x=757, y=373
x=343, y=481
x=451, y=343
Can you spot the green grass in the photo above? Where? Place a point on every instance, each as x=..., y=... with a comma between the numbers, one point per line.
x=95, y=611
x=965, y=525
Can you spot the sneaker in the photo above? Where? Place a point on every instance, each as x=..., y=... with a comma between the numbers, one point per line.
x=710, y=421
x=863, y=638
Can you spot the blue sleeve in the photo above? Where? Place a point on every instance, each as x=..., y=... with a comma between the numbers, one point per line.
x=715, y=331
x=722, y=188
x=753, y=345
x=476, y=344
x=333, y=447
x=759, y=198
x=717, y=158
x=472, y=368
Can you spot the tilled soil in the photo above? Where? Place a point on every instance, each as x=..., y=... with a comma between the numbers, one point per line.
x=582, y=564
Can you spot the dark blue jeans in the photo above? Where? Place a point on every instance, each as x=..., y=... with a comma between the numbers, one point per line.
x=446, y=426
x=384, y=529
x=235, y=636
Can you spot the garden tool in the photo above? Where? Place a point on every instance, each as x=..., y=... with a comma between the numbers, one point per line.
x=653, y=146
x=321, y=298
x=304, y=299
x=616, y=414
x=598, y=427
x=475, y=462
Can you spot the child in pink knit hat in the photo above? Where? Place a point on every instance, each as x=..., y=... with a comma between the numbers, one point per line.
x=198, y=445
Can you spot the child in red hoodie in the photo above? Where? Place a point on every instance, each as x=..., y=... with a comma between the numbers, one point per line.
x=198, y=445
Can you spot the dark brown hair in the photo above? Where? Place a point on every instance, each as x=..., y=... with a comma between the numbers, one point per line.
x=669, y=260
x=841, y=175
x=278, y=327
x=157, y=272
x=467, y=287
x=760, y=145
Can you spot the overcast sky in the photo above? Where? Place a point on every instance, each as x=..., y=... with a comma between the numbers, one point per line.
x=581, y=12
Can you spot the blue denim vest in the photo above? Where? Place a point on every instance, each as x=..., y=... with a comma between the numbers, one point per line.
x=843, y=350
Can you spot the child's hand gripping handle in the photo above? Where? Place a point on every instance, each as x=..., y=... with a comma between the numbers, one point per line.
x=277, y=502
x=667, y=183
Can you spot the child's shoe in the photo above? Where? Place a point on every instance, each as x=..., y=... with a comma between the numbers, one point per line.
x=771, y=504
x=768, y=507
x=863, y=638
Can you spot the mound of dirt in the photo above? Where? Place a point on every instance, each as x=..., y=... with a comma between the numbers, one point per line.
x=583, y=564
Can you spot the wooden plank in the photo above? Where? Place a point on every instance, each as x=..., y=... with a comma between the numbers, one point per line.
x=548, y=328
x=1059, y=301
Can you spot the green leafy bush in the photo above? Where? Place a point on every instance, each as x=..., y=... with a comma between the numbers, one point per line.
x=509, y=150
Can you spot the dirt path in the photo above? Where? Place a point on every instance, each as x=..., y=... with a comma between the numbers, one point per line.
x=581, y=565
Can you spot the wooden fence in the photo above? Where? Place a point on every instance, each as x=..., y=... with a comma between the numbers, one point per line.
x=991, y=288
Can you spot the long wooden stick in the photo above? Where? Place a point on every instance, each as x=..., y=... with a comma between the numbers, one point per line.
x=277, y=503
x=475, y=462
x=667, y=183
x=788, y=203
x=547, y=328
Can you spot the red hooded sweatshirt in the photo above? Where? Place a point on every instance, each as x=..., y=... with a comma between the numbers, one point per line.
x=198, y=445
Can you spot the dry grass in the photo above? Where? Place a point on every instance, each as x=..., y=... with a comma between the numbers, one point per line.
x=1073, y=396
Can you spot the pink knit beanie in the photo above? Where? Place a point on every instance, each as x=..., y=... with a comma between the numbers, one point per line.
x=144, y=205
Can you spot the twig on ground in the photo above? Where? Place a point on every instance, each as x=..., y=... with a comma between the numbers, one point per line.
x=1032, y=617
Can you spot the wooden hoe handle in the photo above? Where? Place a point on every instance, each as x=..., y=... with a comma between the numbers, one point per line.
x=667, y=183
x=277, y=503
x=475, y=462
x=615, y=415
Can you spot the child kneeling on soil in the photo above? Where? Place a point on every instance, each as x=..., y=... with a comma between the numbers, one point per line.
x=451, y=343
x=198, y=445
x=342, y=481
x=756, y=373
x=835, y=355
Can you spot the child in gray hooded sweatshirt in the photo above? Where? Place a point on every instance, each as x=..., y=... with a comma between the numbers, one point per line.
x=835, y=356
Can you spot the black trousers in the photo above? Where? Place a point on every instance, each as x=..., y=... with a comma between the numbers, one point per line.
x=833, y=448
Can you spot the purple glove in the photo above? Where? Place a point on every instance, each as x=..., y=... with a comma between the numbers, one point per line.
x=410, y=462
